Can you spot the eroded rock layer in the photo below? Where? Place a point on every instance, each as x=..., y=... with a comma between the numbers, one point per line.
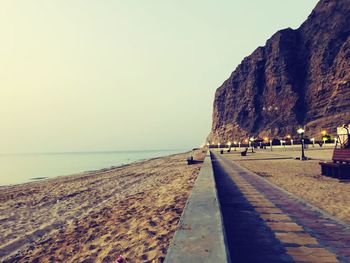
x=299, y=78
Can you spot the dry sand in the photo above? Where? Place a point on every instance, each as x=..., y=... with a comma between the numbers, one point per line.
x=302, y=178
x=131, y=210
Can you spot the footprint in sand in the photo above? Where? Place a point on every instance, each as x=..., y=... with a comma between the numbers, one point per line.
x=108, y=238
x=152, y=223
x=92, y=247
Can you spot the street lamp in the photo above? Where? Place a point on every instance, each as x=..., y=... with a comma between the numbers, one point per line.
x=301, y=132
x=271, y=144
x=291, y=142
x=229, y=146
x=250, y=143
x=218, y=145
x=313, y=142
x=235, y=143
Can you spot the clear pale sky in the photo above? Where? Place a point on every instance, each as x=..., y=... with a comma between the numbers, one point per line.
x=120, y=75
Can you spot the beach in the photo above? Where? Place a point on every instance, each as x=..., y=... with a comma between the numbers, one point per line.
x=301, y=178
x=132, y=210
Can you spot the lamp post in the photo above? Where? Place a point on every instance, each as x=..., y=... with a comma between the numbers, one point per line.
x=251, y=140
x=291, y=143
x=301, y=132
x=239, y=145
x=218, y=145
x=324, y=140
x=313, y=142
x=271, y=144
x=229, y=146
x=235, y=143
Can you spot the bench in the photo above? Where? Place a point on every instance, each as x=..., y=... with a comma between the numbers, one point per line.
x=192, y=161
x=340, y=167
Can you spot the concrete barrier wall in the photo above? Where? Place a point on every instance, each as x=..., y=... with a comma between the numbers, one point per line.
x=200, y=234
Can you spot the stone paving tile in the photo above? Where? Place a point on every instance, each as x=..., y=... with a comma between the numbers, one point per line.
x=268, y=210
x=296, y=238
x=306, y=234
x=285, y=226
x=307, y=254
x=275, y=217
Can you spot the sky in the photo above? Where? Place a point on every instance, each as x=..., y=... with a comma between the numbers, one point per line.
x=88, y=75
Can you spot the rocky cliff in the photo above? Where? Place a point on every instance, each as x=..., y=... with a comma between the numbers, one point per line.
x=299, y=78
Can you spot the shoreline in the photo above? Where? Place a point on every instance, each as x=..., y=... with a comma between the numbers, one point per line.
x=90, y=216
x=99, y=170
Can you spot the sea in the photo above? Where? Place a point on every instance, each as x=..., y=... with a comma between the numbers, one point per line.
x=29, y=167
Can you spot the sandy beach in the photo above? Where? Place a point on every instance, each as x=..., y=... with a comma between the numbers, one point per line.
x=93, y=217
x=301, y=178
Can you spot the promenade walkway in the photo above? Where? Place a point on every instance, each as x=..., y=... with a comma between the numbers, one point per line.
x=264, y=223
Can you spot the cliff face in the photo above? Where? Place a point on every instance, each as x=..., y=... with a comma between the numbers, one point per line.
x=299, y=78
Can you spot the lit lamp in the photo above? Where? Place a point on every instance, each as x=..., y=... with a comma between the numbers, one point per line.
x=208, y=144
x=218, y=145
x=281, y=141
x=271, y=144
x=324, y=138
x=266, y=140
x=291, y=142
x=301, y=132
x=250, y=143
x=229, y=146
x=239, y=145
x=313, y=142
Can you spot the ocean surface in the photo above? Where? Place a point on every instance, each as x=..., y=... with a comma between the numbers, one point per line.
x=22, y=168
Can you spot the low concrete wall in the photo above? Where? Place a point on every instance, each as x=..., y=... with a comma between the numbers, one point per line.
x=200, y=234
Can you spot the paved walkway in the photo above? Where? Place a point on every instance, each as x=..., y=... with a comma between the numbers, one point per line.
x=264, y=223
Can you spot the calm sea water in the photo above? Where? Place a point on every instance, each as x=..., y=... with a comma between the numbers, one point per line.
x=22, y=168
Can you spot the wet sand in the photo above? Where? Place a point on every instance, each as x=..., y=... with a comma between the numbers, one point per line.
x=131, y=210
x=302, y=178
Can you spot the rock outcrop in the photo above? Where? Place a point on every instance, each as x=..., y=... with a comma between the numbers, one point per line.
x=299, y=78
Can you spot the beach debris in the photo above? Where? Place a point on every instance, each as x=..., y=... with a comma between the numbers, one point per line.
x=120, y=259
